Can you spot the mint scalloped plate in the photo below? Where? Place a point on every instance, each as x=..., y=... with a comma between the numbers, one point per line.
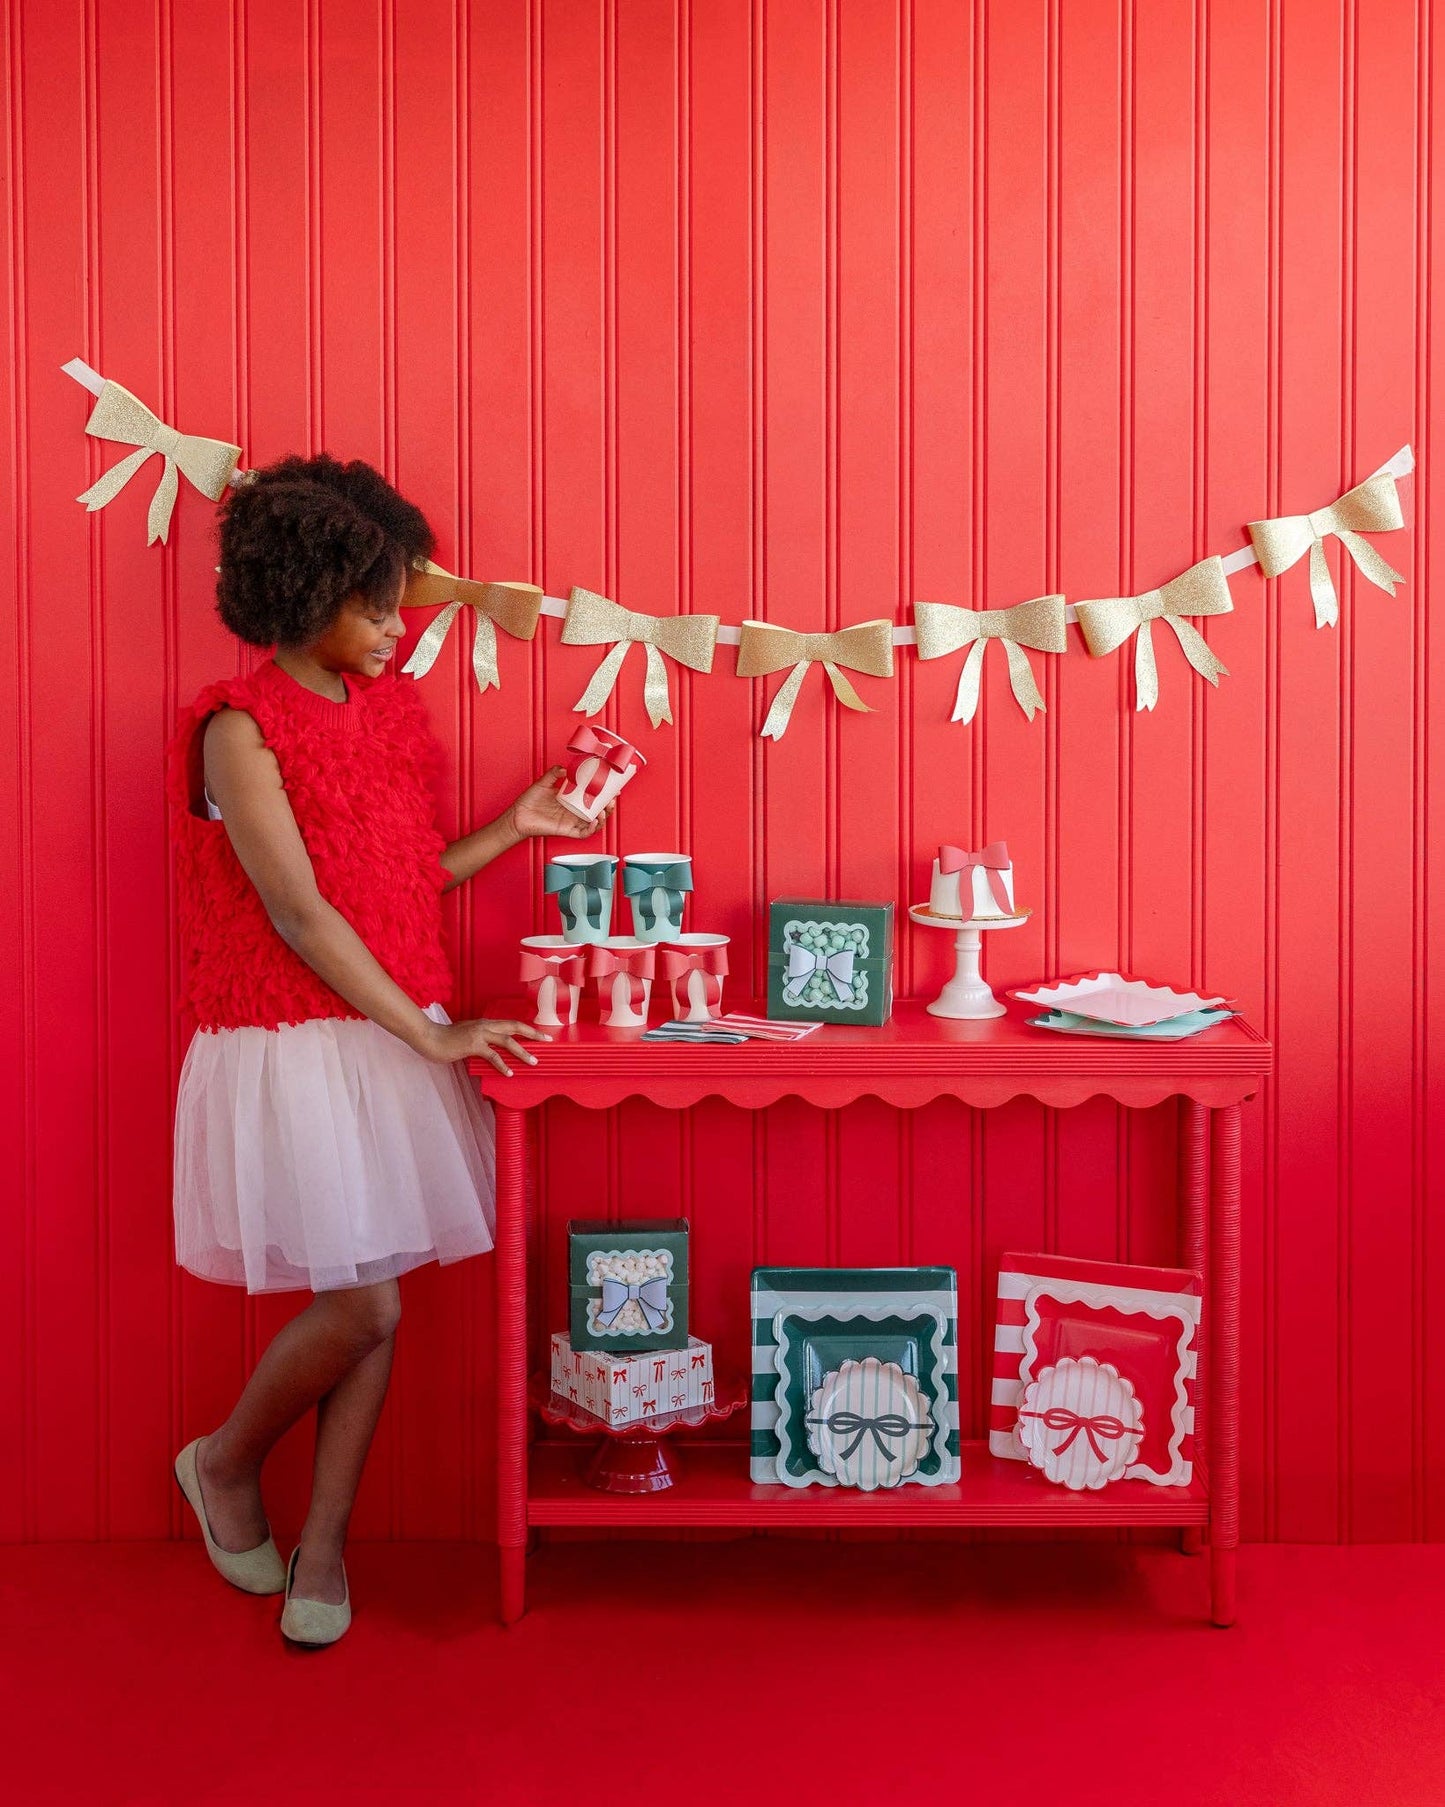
x=812, y=1347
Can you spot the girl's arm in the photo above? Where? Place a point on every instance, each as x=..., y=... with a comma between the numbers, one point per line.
x=536, y=812
x=244, y=779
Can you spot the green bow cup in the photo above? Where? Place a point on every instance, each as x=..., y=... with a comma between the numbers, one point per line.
x=657, y=884
x=583, y=884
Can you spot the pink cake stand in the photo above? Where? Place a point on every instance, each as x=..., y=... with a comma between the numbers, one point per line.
x=633, y=1458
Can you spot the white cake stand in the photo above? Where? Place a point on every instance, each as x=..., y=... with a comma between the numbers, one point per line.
x=966, y=995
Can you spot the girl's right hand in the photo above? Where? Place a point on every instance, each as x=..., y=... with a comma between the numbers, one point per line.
x=485, y=1037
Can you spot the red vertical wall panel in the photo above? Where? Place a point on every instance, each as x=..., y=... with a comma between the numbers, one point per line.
x=797, y=311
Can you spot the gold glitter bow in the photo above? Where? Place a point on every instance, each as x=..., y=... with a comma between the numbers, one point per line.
x=1370, y=507
x=593, y=619
x=207, y=463
x=1201, y=590
x=511, y=607
x=866, y=646
x=943, y=627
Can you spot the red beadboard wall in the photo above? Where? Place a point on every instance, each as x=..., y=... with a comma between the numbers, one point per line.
x=798, y=309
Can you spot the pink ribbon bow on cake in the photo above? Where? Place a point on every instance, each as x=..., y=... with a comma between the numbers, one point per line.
x=635, y=963
x=711, y=963
x=993, y=859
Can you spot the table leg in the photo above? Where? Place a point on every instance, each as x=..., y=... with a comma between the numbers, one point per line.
x=512, y=1359
x=1194, y=1195
x=1223, y=1308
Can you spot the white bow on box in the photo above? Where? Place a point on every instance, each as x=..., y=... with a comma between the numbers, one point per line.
x=803, y=962
x=650, y=1296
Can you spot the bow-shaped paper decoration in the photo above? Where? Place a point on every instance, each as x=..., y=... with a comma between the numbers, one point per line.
x=592, y=620
x=207, y=463
x=852, y=1424
x=803, y=962
x=641, y=881
x=587, y=744
x=512, y=607
x=1201, y=590
x=636, y=963
x=762, y=648
x=942, y=628
x=651, y=1295
x=1060, y=1418
x=1370, y=507
x=595, y=880
x=993, y=859
x=567, y=967
x=710, y=963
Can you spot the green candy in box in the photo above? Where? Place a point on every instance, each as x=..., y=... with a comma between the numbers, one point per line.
x=830, y=962
x=628, y=1284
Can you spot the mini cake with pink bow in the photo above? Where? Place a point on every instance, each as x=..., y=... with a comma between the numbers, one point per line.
x=973, y=887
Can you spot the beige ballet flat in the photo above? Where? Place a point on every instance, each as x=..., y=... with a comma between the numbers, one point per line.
x=258, y=1571
x=314, y=1622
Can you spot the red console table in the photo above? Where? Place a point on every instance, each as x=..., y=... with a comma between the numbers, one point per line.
x=907, y=1063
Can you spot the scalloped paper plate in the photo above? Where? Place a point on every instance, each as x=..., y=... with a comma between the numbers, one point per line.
x=1113, y=998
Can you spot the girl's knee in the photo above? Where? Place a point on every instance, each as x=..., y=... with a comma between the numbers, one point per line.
x=369, y=1314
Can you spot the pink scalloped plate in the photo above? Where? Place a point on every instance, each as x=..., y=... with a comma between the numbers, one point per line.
x=1109, y=997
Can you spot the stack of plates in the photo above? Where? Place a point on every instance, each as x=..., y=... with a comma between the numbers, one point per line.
x=1133, y=1009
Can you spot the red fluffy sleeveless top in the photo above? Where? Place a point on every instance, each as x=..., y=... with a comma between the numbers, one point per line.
x=359, y=777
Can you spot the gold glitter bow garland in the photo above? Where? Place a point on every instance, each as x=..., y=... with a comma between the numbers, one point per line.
x=591, y=620
x=1108, y=622
x=762, y=648
x=943, y=628
x=1370, y=507
x=511, y=607
x=207, y=463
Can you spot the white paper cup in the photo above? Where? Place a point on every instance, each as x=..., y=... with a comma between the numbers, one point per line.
x=696, y=993
x=557, y=999
x=615, y=990
x=602, y=761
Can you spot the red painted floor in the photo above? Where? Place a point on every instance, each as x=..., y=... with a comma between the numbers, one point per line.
x=811, y=1673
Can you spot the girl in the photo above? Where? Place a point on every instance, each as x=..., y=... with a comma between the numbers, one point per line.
x=325, y=1137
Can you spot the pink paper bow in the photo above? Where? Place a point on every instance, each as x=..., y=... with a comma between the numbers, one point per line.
x=566, y=968
x=711, y=962
x=586, y=743
x=636, y=963
x=993, y=859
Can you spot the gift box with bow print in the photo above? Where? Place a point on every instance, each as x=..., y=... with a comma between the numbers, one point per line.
x=625, y=1388
x=628, y=1284
x=830, y=962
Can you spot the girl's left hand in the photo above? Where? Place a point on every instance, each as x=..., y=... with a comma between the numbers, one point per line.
x=537, y=811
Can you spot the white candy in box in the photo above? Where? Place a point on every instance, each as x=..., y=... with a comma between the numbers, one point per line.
x=624, y=1388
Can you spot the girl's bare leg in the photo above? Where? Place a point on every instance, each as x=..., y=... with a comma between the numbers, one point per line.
x=345, y=1421
x=303, y=1363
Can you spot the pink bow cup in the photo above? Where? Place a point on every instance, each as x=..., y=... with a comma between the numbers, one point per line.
x=695, y=966
x=599, y=763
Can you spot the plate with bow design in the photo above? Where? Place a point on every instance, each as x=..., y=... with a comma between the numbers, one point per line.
x=815, y=1344
x=1110, y=997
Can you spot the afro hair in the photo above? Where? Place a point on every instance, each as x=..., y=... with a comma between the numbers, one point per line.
x=300, y=536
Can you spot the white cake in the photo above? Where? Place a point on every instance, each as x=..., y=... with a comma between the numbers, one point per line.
x=975, y=899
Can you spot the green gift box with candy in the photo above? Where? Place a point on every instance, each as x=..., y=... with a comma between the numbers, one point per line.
x=830, y=962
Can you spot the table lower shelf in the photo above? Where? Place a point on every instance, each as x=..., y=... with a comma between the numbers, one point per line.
x=713, y=1488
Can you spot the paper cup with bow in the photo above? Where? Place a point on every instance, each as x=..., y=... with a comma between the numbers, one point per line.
x=553, y=971
x=583, y=884
x=695, y=966
x=599, y=763
x=656, y=885
x=623, y=967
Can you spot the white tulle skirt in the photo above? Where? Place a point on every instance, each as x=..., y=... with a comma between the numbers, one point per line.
x=327, y=1154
